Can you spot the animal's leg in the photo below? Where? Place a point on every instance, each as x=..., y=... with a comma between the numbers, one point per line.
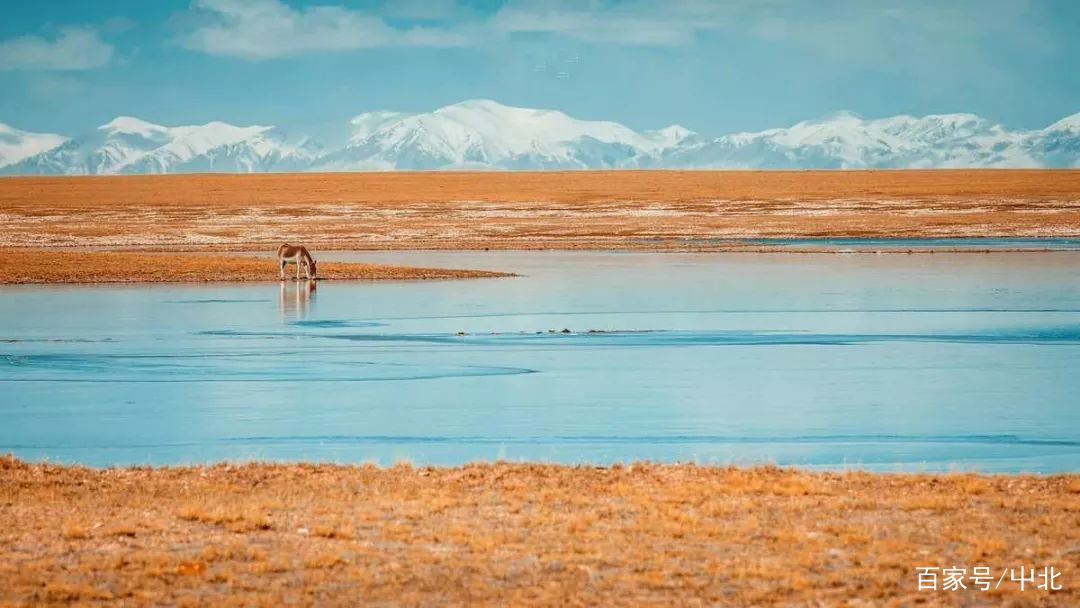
x=297, y=270
x=281, y=268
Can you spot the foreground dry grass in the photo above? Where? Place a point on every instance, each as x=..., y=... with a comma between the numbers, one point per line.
x=522, y=533
x=648, y=209
x=46, y=266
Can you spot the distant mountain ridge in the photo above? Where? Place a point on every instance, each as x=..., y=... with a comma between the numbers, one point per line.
x=131, y=145
x=486, y=135
x=15, y=145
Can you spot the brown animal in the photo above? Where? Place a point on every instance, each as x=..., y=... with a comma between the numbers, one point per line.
x=296, y=254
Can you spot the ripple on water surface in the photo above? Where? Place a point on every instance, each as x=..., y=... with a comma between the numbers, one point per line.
x=907, y=362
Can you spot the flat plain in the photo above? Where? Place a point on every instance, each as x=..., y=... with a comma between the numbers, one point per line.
x=512, y=534
x=559, y=210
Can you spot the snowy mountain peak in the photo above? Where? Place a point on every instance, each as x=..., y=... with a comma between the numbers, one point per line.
x=481, y=133
x=224, y=127
x=1069, y=123
x=367, y=123
x=840, y=116
x=485, y=112
x=958, y=118
x=16, y=145
x=490, y=107
x=132, y=126
x=671, y=135
x=218, y=133
x=484, y=105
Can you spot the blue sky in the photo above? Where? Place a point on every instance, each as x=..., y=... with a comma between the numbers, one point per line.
x=714, y=66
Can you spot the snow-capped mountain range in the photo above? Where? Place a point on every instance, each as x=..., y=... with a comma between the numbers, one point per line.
x=486, y=135
x=130, y=145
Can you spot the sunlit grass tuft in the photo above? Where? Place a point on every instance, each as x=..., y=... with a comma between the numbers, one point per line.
x=513, y=534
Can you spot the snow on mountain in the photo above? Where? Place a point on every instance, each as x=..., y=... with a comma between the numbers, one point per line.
x=1069, y=123
x=482, y=133
x=16, y=145
x=485, y=135
x=128, y=125
x=1059, y=144
x=847, y=141
x=366, y=124
x=670, y=136
x=221, y=147
x=131, y=145
x=105, y=150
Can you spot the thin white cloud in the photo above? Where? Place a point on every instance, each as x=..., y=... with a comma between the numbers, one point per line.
x=75, y=48
x=912, y=35
x=592, y=27
x=637, y=23
x=878, y=31
x=855, y=30
x=263, y=29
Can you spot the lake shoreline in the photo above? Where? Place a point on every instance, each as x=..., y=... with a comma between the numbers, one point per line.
x=134, y=266
x=488, y=533
x=51, y=267
x=866, y=246
x=152, y=265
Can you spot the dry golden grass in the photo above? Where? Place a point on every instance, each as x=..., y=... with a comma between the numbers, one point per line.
x=50, y=266
x=512, y=534
x=650, y=209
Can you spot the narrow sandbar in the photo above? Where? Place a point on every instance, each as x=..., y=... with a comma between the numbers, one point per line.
x=19, y=266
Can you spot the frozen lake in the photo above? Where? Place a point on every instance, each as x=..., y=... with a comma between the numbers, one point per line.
x=895, y=361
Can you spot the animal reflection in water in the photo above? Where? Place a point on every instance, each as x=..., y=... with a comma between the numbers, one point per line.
x=294, y=299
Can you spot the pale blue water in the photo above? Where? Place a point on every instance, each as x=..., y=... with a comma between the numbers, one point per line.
x=925, y=361
x=948, y=243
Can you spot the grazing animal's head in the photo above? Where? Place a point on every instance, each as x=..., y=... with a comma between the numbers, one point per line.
x=311, y=267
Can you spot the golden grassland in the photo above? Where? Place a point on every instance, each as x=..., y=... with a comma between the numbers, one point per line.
x=499, y=534
x=511, y=534
x=51, y=266
x=588, y=209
